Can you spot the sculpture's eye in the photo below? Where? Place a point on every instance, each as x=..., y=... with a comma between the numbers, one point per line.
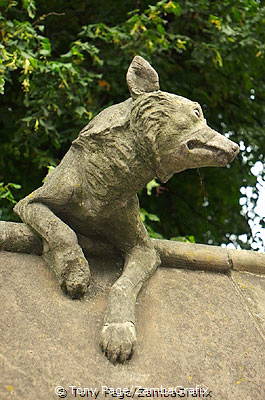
x=197, y=112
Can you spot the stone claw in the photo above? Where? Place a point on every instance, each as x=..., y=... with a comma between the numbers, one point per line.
x=118, y=341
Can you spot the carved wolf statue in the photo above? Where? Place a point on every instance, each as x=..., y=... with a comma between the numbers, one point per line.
x=92, y=193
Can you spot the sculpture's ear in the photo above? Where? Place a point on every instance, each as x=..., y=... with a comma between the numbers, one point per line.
x=141, y=77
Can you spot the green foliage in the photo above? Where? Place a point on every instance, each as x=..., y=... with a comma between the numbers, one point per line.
x=30, y=7
x=185, y=239
x=151, y=185
x=61, y=63
x=147, y=217
x=7, y=199
x=6, y=193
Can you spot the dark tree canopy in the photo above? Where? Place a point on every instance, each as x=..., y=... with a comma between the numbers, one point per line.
x=62, y=62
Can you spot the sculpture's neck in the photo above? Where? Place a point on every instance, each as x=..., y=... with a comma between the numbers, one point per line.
x=116, y=170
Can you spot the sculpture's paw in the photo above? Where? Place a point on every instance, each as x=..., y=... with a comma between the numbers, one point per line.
x=76, y=283
x=118, y=340
x=72, y=271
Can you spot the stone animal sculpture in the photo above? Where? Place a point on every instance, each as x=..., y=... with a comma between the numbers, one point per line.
x=92, y=193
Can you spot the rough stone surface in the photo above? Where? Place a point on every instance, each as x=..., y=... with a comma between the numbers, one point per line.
x=252, y=289
x=92, y=192
x=193, y=329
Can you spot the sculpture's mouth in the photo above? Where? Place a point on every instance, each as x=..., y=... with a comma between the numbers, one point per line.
x=197, y=144
x=223, y=156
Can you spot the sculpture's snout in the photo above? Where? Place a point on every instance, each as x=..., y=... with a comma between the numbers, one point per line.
x=234, y=151
x=235, y=148
x=211, y=148
x=225, y=149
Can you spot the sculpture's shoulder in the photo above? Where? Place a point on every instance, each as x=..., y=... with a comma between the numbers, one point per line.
x=116, y=116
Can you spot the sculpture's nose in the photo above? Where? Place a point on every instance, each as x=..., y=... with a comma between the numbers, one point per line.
x=233, y=152
x=235, y=149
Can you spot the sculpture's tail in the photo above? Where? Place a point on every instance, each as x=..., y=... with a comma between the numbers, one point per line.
x=204, y=257
x=18, y=237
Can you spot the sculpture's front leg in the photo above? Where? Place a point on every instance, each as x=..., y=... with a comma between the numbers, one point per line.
x=118, y=335
x=61, y=249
